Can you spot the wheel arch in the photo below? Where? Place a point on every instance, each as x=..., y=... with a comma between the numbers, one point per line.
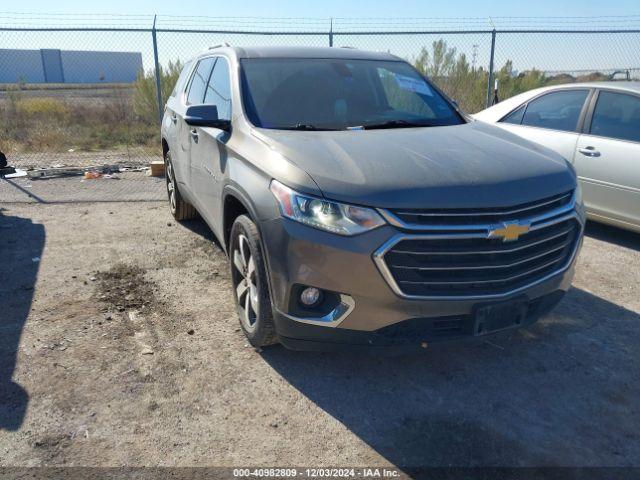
x=165, y=147
x=235, y=203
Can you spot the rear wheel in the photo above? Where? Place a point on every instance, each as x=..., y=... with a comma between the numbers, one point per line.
x=180, y=209
x=249, y=277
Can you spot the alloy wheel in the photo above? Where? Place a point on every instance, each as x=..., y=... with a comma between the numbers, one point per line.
x=247, y=286
x=171, y=187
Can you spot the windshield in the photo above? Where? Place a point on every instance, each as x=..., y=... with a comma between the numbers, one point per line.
x=336, y=94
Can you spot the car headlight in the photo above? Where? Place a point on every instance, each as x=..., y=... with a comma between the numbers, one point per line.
x=324, y=214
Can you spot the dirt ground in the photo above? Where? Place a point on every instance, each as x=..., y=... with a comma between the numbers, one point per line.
x=120, y=346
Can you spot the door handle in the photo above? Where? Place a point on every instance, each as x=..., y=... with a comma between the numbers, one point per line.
x=589, y=152
x=194, y=135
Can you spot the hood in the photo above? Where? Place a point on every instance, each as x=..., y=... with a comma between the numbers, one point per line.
x=474, y=165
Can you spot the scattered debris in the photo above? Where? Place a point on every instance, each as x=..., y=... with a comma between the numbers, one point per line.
x=54, y=172
x=18, y=173
x=35, y=259
x=5, y=169
x=156, y=169
x=191, y=331
x=92, y=175
x=146, y=351
x=91, y=172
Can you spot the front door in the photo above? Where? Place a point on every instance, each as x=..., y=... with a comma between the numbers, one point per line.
x=195, y=96
x=209, y=147
x=551, y=120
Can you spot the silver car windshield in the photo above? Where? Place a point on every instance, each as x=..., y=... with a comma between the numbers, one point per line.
x=337, y=94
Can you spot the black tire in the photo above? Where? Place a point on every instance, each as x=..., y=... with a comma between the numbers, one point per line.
x=180, y=209
x=253, y=302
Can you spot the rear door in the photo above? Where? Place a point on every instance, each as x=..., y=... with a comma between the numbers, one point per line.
x=209, y=147
x=174, y=111
x=194, y=96
x=608, y=157
x=552, y=119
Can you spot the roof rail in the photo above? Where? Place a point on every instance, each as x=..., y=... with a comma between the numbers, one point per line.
x=219, y=45
x=349, y=47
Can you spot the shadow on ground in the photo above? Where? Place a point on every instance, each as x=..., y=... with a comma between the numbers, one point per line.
x=21, y=246
x=617, y=236
x=562, y=392
x=200, y=227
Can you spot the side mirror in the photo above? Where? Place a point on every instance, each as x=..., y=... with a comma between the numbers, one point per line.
x=205, y=116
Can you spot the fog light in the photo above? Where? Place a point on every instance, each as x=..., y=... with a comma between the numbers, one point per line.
x=310, y=296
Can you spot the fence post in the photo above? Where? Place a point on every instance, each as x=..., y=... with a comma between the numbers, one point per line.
x=491, y=61
x=157, y=71
x=331, y=33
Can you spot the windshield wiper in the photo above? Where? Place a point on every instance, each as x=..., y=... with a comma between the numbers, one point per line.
x=305, y=126
x=395, y=124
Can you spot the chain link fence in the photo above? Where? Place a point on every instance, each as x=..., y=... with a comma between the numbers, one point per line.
x=88, y=96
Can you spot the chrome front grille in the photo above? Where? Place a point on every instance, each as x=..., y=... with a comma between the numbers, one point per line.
x=428, y=218
x=454, y=256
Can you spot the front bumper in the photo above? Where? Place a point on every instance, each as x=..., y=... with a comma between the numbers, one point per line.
x=300, y=255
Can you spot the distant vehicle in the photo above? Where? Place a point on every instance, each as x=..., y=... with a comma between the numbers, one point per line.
x=358, y=206
x=596, y=126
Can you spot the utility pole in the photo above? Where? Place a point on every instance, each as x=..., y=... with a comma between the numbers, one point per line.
x=157, y=70
x=474, y=57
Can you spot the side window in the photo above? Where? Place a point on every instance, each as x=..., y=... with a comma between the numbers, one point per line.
x=557, y=110
x=219, y=89
x=515, y=117
x=617, y=115
x=181, y=79
x=199, y=81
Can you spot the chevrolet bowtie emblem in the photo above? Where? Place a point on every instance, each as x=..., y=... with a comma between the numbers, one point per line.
x=509, y=232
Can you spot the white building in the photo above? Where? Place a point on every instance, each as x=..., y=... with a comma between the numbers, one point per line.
x=68, y=66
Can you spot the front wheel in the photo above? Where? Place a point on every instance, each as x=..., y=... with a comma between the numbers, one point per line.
x=250, y=288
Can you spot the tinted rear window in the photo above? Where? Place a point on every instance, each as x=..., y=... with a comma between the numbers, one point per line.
x=617, y=115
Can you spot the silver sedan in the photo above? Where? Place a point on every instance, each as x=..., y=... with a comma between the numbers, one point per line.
x=596, y=126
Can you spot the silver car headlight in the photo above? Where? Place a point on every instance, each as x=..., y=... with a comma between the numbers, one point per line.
x=324, y=214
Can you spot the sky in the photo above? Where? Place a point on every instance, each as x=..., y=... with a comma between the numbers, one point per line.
x=335, y=8
x=548, y=52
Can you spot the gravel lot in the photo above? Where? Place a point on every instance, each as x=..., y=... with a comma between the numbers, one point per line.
x=120, y=346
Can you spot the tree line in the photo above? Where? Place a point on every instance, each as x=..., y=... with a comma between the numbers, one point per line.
x=452, y=72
